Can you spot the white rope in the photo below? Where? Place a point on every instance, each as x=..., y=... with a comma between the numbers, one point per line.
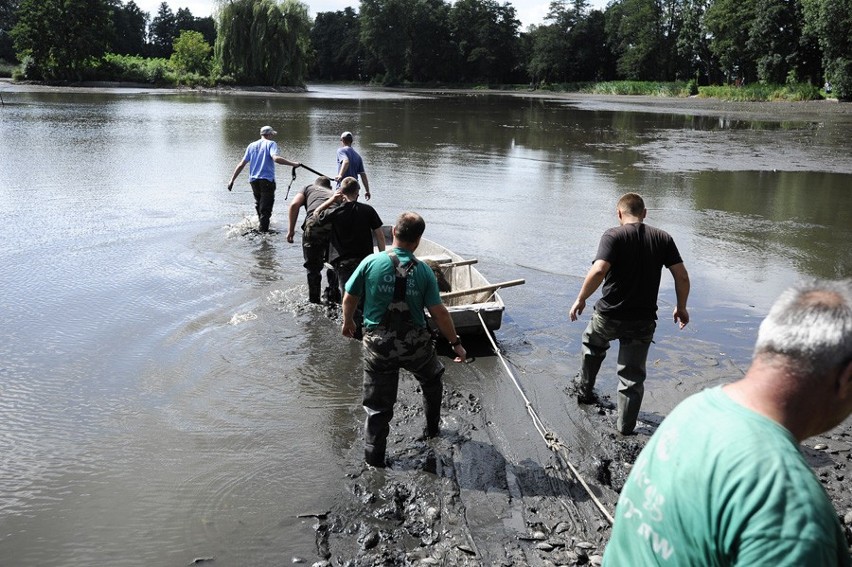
x=553, y=442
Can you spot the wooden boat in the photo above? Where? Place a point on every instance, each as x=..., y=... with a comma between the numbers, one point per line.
x=470, y=295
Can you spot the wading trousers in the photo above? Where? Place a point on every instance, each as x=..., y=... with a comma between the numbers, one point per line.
x=315, y=252
x=264, y=199
x=634, y=339
x=344, y=269
x=384, y=354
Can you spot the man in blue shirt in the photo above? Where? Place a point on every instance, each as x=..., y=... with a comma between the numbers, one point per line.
x=350, y=164
x=261, y=157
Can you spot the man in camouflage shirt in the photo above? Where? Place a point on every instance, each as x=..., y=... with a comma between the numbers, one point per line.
x=396, y=288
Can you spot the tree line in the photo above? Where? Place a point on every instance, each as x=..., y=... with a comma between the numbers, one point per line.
x=273, y=42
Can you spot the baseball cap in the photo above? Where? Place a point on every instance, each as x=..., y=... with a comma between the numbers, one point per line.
x=266, y=130
x=347, y=135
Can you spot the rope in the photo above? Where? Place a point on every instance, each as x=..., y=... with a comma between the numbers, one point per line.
x=552, y=441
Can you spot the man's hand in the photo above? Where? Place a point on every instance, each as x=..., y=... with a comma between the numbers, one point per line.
x=348, y=329
x=367, y=195
x=461, y=354
x=290, y=236
x=681, y=316
x=577, y=309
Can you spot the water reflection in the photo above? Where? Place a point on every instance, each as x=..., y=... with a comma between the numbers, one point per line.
x=123, y=378
x=780, y=217
x=267, y=267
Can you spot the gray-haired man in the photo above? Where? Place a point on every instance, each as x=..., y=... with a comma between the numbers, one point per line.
x=722, y=481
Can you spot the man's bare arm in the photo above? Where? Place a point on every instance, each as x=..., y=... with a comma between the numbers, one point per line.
x=681, y=281
x=594, y=279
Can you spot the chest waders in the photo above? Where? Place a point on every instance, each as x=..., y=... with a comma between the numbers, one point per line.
x=397, y=342
x=397, y=317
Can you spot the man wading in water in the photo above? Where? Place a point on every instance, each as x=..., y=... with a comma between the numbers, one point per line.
x=261, y=157
x=396, y=287
x=315, y=239
x=354, y=225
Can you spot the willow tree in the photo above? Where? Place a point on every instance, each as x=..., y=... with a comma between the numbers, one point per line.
x=263, y=42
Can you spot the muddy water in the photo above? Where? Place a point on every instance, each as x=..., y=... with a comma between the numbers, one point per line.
x=166, y=393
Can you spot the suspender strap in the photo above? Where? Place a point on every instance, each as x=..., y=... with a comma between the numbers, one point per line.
x=401, y=272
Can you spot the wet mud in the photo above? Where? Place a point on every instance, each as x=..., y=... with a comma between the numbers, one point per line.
x=463, y=498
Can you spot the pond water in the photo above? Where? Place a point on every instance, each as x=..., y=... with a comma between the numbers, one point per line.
x=166, y=392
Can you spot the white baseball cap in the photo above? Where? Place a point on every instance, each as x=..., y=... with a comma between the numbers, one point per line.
x=346, y=135
x=267, y=130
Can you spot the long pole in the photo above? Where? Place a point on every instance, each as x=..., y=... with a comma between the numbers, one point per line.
x=492, y=287
x=315, y=171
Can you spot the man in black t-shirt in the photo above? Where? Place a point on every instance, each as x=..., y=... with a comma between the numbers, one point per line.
x=353, y=227
x=629, y=263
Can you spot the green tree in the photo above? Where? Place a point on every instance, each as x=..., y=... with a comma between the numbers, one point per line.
x=572, y=47
x=591, y=57
x=693, y=44
x=129, y=23
x=429, y=56
x=264, y=42
x=8, y=19
x=191, y=53
x=551, y=55
x=385, y=31
x=57, y=38
x=830, y=21
x=548, y=54
x=487, y=41
x=184, y=20
x=633, y=27
x=338, y=54
x=729, y=24
x=774, y=38
x=163, y=31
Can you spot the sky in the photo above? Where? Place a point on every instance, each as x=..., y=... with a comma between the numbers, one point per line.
x=528, y=11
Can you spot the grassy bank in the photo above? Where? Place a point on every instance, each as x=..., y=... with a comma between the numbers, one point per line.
x=748, y=93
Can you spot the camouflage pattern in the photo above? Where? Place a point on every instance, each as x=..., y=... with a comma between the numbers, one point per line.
x=388, y=351
x=397, y=343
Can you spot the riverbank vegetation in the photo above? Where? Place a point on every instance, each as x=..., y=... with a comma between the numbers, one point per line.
x=732, y=49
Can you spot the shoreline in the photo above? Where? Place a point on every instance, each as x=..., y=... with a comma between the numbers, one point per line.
x=826, y=109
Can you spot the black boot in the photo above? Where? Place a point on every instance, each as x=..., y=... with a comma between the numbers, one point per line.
x=315, y=288
x=314, y=295
x=375, y=458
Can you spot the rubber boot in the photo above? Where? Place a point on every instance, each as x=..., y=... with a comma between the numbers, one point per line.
x=315, y=288
x=375, y=456
x=432, y=409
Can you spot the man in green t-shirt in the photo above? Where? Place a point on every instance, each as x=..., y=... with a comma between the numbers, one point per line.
x=722, y=481
x=396, y=288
